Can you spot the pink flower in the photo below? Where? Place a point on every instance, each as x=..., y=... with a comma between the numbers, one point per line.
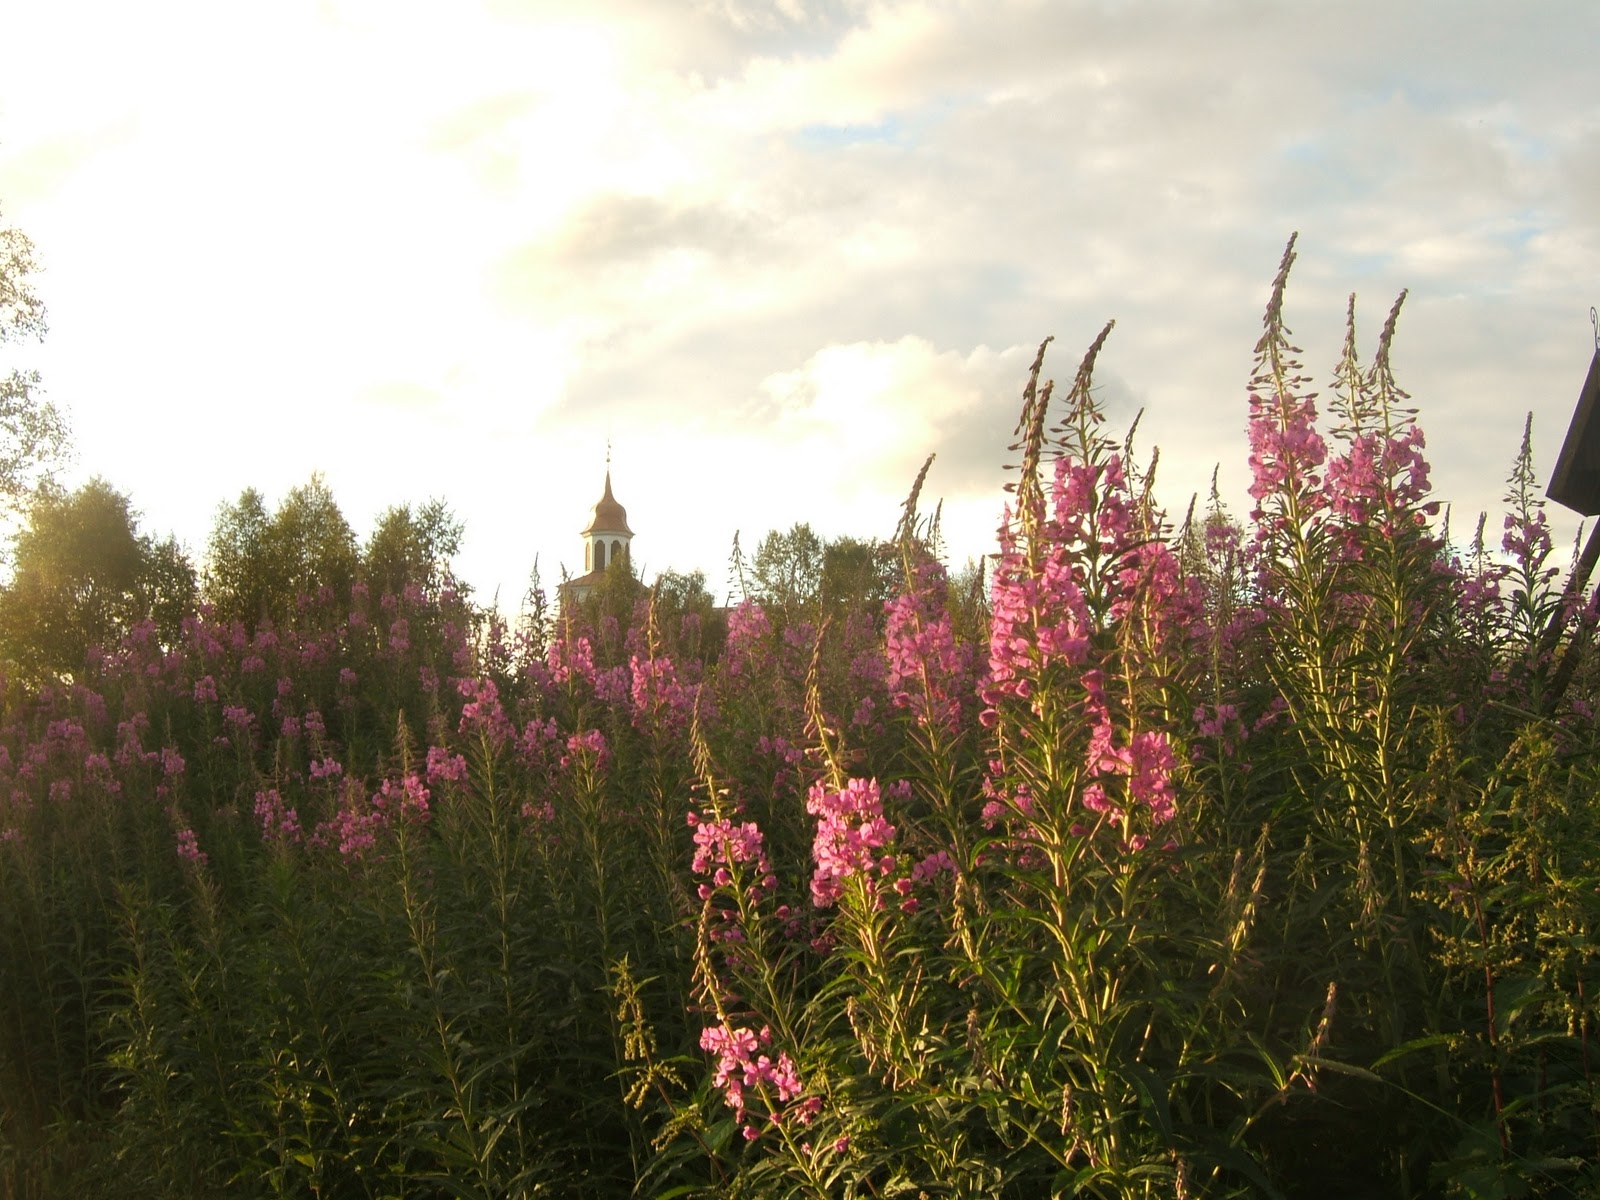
x=748, y=630
x=929, y=672
x=278, y=823
x=1146, y=762
x=660, y=702
x=936, y=864
x=1527, y=537
x=742, y=1068
x=482, y=712
x=442, y=765
x=1224, y=717
x=1286, y=451
x=1380, y=481
x=722, y=844
x=590, y=745
x=570, y=660
x=239, y=717
x=189, y=849
x=326, y=768
x=850, y=831
x=407, y=798
x=1150, y=778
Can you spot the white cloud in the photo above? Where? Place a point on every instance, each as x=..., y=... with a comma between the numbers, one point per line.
x=450, y=249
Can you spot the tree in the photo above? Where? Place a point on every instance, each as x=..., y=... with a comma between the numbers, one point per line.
x=859, y=574
x=83, y=575
x=33, y=435
x=411, y=548
x=606, y=612
x=238, y=574
x=786, y=574
x=802, y=577
x=685, y=615
x=312, y=547
x=259, y=568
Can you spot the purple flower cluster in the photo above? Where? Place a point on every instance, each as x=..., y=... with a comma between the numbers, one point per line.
x=1286, y=453
x=720, y=846
x=404, y=799
x=660, y=702
x=748, y=631
x=1038, y=617
x=189, y=848
x=1146, y=762
x=1527, y=538
x=929, y=672
x=482, y=712
x=570, y=660
x=743, y=1068
x=1380, y=477
x=279, y=823
x=442, y=766
x=588, y=746
x=851, y=833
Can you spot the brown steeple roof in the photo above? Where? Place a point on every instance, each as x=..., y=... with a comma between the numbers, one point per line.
x=609, y=516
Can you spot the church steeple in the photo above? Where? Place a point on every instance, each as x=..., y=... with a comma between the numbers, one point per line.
x=607, y=535
x=609, y=516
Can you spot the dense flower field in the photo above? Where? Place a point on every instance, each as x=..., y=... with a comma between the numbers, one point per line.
x=1229, y=857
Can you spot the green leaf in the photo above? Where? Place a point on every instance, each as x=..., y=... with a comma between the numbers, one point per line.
x=1411, y=1047
x=1512, y=995
x=1152, y=1098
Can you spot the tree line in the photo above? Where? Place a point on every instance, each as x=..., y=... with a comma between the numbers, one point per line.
x=83, y=572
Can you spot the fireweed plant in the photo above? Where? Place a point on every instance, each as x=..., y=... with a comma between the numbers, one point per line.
x=1239, y=856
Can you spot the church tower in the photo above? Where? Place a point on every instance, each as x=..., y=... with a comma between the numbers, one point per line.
x=607, y=537
x=605, y=541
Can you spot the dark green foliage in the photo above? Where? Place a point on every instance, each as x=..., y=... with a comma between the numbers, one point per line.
x=267, y=569
x=1192, y=864
x=238, y=576
x=411, y=548
x=33, y=434
x=798, y=576
x=786, y=573
x=83, y=576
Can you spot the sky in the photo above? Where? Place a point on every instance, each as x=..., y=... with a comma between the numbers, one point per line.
x=775, y=252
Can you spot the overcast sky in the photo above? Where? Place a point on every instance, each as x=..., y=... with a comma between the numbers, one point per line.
x=777, y=251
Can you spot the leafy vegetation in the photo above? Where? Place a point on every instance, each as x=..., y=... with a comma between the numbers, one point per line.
x=33, y=433
x=1249, y=857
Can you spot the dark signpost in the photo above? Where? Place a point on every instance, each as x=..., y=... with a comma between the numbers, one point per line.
x=1576, y=481
x=1576, y=485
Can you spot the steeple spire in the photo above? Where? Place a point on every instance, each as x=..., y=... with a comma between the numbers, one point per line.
x=605, y=540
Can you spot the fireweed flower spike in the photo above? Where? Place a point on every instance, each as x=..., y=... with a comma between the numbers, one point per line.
x=851, y=837
x=736, y=875
x=742, y=1068
x=189, y=849
x=929, y=672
